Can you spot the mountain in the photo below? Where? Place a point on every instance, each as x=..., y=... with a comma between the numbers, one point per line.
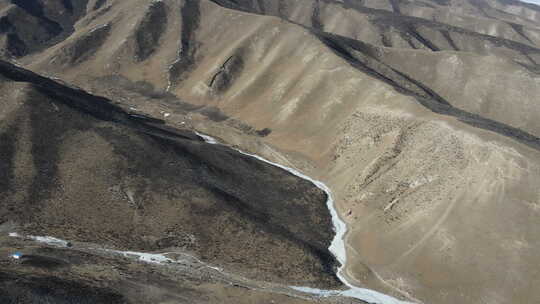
x=420, y=115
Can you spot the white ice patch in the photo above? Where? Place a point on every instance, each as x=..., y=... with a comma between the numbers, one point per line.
x=159, y=258
x=207, y=139
x=371, y=296
x=319, y=292
x=363, y=294
x=98, y=28
x=337, y=247
x=145, y=257
x=537, y=2
x=49, y=240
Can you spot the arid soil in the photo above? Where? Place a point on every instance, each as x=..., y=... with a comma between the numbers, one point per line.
x=422, y=117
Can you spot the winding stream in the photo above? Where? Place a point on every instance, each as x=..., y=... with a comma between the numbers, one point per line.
x=337, y=247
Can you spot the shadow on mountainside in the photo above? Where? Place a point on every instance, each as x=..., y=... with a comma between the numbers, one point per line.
x=81, y=168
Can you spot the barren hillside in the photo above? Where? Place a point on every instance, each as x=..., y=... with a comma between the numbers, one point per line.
x=421, y=116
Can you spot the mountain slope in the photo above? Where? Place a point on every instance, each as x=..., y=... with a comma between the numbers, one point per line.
x=420, y=115
x=77, y=167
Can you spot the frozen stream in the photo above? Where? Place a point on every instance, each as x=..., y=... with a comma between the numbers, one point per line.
x=337, y=247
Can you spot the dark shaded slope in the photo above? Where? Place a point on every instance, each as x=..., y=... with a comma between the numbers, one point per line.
x=364, y=57
x=430, y=35
x=188, y=43
x=407, y=25
x=24, y=33
x=17, y=289
x=81, y=168
x=84, y=47
x=150, y=30
x=31, y=26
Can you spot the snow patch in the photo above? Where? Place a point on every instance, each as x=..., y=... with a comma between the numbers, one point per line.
x=363, y=294
x=49, y=240
x=99, y=27
x=207, y=139
x=145, y=257
x=537, y=2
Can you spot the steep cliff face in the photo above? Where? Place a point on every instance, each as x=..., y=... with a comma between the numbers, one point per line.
x=421, y=115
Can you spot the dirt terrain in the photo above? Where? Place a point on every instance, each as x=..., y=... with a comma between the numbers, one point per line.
x=422, y=116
